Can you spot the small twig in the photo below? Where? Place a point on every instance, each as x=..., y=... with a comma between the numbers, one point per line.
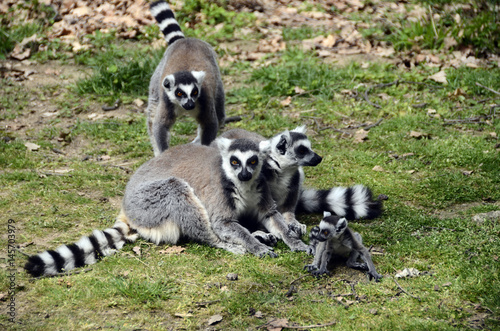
x=205, y=303
x=315, y=90
x=233, y=119
x=491, y=90
x=334, y=129
x=402, y=289
x=117, y=166
x=368, y=127
x=303, y=276
x=438, y=228
x=354, y=291
x=378, y=86
x=20, y=251
x=309, y=326
x=113, y=107
x=420, y=83
x=56, y=174
x=60, y=274
x=141, y=261
x=368, y=100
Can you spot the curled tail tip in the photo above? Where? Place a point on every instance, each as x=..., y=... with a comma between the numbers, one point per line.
x=166, y=21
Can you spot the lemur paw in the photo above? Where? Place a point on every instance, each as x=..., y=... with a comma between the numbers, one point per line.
x=268, y=239
x=296, y=229
x=358, y=266
x=311, y=249
x=310, y=267
x=320, y=272
x=375, y=276
x=263, y=250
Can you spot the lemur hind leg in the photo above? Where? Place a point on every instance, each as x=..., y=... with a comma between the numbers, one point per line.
x=166, y=210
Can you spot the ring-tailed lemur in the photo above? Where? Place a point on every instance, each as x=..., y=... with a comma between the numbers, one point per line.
x=190, y=191
x=187, y=80
x=333, y=236
x=290, y=151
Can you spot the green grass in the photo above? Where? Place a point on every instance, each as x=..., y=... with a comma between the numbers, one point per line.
x=427, y=222
x=477, y=27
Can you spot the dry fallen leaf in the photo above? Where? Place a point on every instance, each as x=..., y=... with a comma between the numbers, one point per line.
x=32, y=146
x=277, y=324
x=418, y=135
x=172, y=250
x=138, y=102
x=298, y=90
x=137, y=250
x=378, y=168
x=286, y=102
x=214, y=319
x=360, y=136
x=439, y=77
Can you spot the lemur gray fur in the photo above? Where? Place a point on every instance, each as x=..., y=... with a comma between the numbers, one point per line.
x=187, y=80
x=290, y=151
x=191, y=192
x=333, y=236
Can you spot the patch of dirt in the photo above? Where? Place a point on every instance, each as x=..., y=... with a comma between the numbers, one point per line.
x=458, y=210
x=47, y=85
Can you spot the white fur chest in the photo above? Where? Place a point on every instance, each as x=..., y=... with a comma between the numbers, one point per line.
x=179, y=110
x=340, y=246
x=246, y=197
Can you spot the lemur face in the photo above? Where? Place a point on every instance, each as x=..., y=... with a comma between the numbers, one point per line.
x=293, y=149
x=241, y=158
x=329, y=227
x=183, y=88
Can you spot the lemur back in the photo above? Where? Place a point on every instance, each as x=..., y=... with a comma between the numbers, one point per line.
x=186, y=81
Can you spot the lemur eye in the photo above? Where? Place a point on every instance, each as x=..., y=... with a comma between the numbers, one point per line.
x=234, y=162
x=302, y=150
x=195, y=92
x=326, y=232
x=253, y=161
x=179, y=94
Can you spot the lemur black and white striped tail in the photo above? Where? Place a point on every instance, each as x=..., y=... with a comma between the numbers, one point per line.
x=352, y=202
x=166, y=21
x=88, y=250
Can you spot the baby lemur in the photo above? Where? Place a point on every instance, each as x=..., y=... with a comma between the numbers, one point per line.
x=333, y=237
x=186, y=81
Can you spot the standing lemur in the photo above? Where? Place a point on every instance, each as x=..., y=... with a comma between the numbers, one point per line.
x=187, y=80
x=290, y=151
x=190, y=191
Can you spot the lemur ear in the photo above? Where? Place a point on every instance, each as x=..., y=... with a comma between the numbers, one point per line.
x=199, y=75
x=326, y=214
x=300, y=129
x=265, y=147
x=222, y=143
x=282, y=144
x=168, y=82
x=342, y=223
